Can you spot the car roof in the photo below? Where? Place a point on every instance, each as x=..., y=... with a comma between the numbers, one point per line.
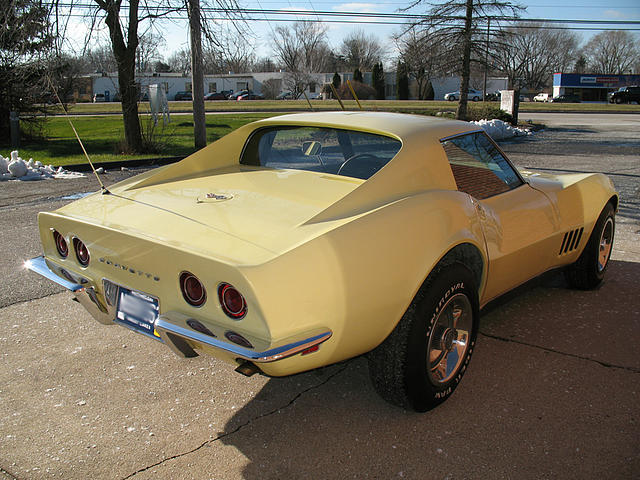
x=402, y=126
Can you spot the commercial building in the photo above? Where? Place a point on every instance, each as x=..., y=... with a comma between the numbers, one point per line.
x=107, y=84
x=591, y=87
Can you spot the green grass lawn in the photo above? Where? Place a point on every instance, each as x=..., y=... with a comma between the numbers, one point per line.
x=426, y=106
x=102, y=136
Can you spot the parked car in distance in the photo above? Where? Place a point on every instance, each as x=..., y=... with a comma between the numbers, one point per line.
x=566, y=98
x=239, y=93
x=99, y=97
x=303, y=240
x=183, y=96
x=251, y=96
x=541, y=97
x=474, y=95
x=625, y=95
x=287, y=95
x=216, y=96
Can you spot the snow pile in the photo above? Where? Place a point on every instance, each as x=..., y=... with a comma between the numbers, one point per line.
x=15, y=168
x=499, y=130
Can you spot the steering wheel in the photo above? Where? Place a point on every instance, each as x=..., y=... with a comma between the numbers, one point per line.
x=357, y=168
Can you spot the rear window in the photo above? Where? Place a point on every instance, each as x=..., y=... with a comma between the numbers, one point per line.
x=328, y=150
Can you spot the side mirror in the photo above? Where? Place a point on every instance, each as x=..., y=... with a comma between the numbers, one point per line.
x=311, y=148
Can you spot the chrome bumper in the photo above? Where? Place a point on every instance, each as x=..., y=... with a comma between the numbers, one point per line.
x=181, y=340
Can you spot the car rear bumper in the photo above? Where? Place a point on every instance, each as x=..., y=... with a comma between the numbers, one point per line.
x=167, y=329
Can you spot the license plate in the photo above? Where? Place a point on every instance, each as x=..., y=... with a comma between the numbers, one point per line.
x=137, y=311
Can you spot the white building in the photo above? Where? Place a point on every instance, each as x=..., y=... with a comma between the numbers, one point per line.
x=173, y=83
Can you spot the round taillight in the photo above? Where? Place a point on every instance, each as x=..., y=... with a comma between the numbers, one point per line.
x=61, y=244
x=192, y=289
x=82, y=253
x=232, y=301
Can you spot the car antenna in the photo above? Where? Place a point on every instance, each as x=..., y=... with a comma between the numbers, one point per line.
x=335, y=92
x=102, y=187
x=353, y=92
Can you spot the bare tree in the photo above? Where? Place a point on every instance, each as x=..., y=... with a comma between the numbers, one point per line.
x=236, y=55
x=264, y=64
x=456, y=26
x=125, y=21
x=529, y=54
x=148, y=51
x=614, y=51
x=180, y=61
x=362, y=51
x=271, y=88
x=101, y=59
x=302, y=49
x=422, y=55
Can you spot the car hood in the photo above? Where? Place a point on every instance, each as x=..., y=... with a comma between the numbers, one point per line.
x=266, y=208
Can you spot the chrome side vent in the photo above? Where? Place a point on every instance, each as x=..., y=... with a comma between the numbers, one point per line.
x=571, y=241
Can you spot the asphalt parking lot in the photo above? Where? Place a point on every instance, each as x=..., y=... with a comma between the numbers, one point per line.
x=552, y=391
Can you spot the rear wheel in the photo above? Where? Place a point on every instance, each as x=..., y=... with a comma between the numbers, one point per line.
x=423, y=360
x=588, y=271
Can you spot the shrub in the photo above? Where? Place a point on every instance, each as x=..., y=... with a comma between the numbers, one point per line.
x=363, y=91
x=487, y=112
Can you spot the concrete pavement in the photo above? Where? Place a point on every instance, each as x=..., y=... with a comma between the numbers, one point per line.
x=552, y=391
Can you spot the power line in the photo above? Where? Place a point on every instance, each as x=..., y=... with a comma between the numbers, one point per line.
x=396, y=16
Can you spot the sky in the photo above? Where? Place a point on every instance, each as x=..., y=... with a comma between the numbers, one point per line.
x=176, y=32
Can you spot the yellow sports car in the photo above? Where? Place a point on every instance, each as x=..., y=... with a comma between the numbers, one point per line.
x=303, y=240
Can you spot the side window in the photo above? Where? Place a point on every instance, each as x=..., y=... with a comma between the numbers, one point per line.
x=478, y=166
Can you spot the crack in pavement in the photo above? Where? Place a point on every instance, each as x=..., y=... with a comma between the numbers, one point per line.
x=546, y=349
x=6, y=474
x=240, y=427
x=31, y=299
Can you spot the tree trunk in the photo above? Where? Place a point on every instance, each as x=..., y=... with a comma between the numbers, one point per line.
x=461, y=114
x=197, y=76
x=129, y=95
x=125, y=54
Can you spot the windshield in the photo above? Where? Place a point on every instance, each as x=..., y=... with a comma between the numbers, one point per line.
x=328, y=150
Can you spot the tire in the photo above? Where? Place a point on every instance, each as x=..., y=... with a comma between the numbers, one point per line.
x=452, y=98
x=619, y=100
x=476, y=99
x=588, y=271
x=422, y=361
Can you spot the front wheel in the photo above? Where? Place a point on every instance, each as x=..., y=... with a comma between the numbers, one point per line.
x=476, y=99
x=422, y=361
x=588, y=271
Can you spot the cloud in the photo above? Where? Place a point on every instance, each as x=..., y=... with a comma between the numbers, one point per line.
x=613, y=14
x=356, y=7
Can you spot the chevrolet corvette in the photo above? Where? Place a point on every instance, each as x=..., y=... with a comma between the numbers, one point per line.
x=303, y=240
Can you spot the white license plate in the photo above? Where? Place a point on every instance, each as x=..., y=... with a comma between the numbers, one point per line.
x=137, y=310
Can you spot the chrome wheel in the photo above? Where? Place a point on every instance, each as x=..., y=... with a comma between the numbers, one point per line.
x=449, y=339
x=606, y=242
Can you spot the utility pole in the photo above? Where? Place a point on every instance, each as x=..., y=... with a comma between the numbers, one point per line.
x=197, y=75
